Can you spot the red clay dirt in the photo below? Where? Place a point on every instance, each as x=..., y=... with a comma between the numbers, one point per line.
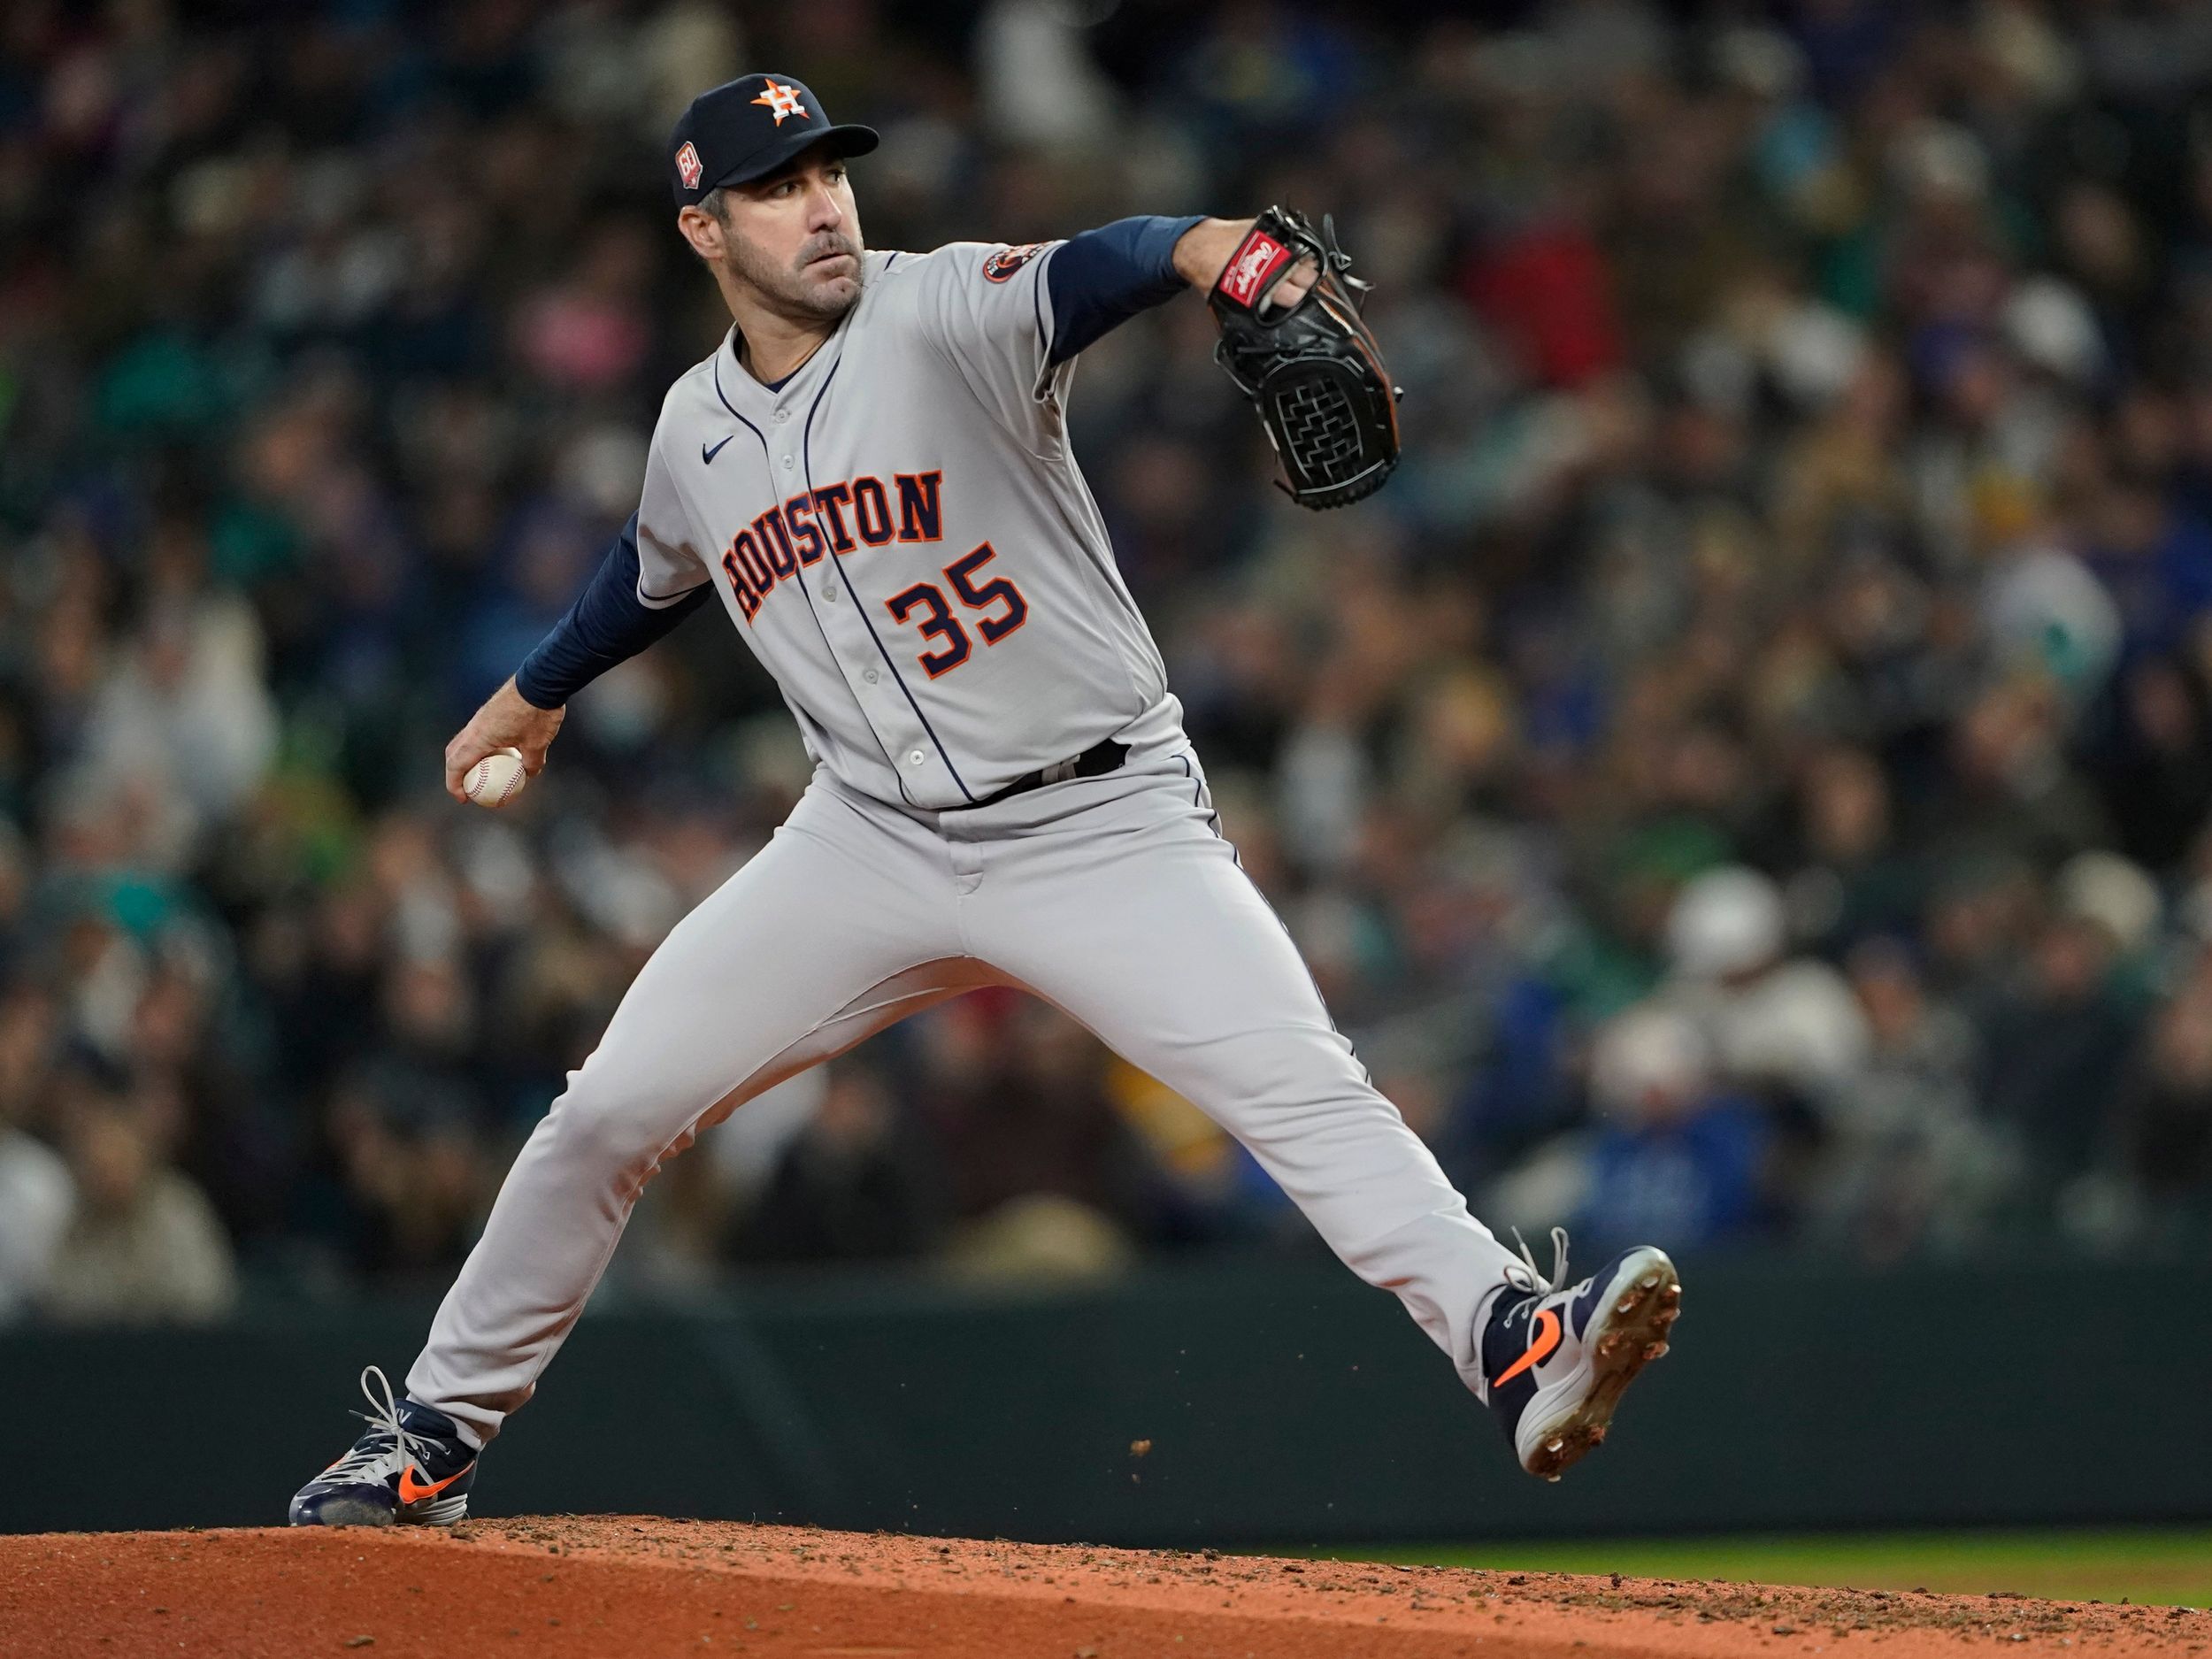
x=628, y=1587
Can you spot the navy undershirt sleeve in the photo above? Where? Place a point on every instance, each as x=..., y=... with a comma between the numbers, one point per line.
x=607, y=625
x=1106, y=276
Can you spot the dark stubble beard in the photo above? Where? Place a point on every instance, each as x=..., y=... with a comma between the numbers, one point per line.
x=785, y=289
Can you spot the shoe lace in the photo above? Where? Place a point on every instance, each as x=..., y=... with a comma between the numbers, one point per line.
x=1558, y=1260
x=383, y=1420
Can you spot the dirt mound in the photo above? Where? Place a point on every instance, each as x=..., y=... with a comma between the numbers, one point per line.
x=626, y=1587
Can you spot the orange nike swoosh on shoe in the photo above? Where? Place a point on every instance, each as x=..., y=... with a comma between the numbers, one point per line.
x=410, y=1493
x=1540, y=1344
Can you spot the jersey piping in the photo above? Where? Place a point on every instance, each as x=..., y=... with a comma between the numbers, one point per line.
x=768, y=471
x=806, y=456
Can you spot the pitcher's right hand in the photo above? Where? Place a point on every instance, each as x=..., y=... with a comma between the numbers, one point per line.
x=505, y=721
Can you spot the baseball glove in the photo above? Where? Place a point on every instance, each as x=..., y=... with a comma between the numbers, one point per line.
x=1313, y=369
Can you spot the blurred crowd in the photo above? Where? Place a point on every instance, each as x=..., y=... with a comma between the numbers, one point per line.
x=1745, y=783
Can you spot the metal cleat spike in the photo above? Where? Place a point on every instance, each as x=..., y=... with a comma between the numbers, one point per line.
x=1655, y=1350
x=1553, y=1446
x=1650, y=1279
x=1626, y=1303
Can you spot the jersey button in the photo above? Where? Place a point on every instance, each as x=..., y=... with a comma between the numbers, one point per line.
x=782, y=415
x=787, y=464
x=870, y=676
x=829, y=594
x=914, y=756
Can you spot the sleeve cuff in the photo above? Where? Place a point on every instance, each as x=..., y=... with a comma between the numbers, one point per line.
x=661, y=601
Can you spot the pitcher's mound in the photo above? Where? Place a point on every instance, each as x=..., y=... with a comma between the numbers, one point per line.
x=638, y=1586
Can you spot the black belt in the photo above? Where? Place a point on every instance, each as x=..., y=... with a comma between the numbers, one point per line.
x=1096, y=761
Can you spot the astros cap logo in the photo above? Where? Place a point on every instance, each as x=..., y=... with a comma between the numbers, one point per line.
x=782, y=101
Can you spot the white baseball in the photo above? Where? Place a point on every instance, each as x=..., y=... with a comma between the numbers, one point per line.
x=495, y=779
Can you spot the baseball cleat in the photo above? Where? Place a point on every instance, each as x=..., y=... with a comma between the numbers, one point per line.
x=1554, y=1362
x=411, y=1467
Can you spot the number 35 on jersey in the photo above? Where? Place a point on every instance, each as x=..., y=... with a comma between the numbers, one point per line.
x=839, y=518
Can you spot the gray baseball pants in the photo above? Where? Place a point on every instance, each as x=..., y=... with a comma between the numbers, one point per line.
x=1113, y=898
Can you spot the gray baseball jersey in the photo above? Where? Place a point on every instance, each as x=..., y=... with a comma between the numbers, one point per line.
x=901, y=535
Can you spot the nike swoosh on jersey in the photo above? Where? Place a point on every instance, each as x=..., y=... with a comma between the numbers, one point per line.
x=707, y=454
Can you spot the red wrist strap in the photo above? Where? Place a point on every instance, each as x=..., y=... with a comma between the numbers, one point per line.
x=1246, y=277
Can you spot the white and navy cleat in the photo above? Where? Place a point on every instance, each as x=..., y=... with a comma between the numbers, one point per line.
x=413, y=1467
x=1554, y=1362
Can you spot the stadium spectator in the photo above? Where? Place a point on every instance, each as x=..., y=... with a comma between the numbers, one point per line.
x=2057, y=1040
x=144, y=1245
x=2161, y=1121
x=1911, y=1163
x=1669, y=1147
x=37, y=1199
x=1784, y=1026
x=858, y=1184
x=1014, y=1094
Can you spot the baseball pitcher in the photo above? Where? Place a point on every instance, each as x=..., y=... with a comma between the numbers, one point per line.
x=872, y=476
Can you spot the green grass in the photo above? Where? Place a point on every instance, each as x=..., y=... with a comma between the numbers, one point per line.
x=2158, y=1566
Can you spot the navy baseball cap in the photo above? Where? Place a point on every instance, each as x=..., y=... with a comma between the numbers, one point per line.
x=747, y=128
